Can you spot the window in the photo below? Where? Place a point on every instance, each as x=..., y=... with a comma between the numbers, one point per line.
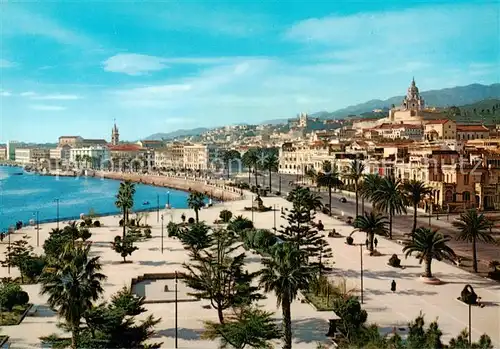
x=466, y=179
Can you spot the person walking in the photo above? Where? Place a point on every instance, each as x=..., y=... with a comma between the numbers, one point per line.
x=367, y=243
x=393, y=286
x=375, y=242
x=320, y=226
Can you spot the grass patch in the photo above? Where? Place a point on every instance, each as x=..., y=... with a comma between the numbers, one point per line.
x=3, y=340
x=320, y=301
x=14, y=317
x=323, y=292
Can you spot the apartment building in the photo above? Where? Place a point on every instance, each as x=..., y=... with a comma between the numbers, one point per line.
x=170, y=157
x=25, y=156
x=471, y=132
x=95, y=156
x=3, y=153
x=440, y=129
x=202, y=157
x=400, y=131
x=61, y=153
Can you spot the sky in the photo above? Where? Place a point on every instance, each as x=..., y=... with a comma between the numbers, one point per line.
x=72, y=68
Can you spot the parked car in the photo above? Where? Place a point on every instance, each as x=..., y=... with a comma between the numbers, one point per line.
x=343, y=199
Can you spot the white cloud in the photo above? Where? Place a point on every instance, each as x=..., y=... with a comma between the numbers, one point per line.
x=6, y=64
x=55, y=97
x=44, y=107
x=4, y=93
x=27, y=94
x=133, y=64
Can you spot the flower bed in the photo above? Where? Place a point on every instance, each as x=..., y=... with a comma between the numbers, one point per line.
x=14, y=317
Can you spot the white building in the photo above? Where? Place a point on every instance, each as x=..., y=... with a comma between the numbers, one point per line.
x=25, y=156
x=99, y=153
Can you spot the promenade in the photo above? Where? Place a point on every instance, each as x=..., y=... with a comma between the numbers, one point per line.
x=384, y=307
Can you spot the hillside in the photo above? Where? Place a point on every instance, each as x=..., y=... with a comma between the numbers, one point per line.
x=486, y=111
x=177, y=133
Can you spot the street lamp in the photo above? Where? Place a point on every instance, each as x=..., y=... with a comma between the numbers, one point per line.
x=157, y=207
x=470, y=327
x=11, y=230
x=162, y=234
x=274, y=212
x=251, y=206
x=57, y=202
x=37, y=228
x=176, y=309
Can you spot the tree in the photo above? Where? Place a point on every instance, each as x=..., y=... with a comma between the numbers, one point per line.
x=329, y=178
x=473, y=227
x=225, y=216
x=304, y=197
x=251, y=160
x=239, y=224
x=371, y=183
x=73, y=283
x=389, y=197
x=271, y=164
x=352, y=317
x=125, y=247
x=196, y=201
x=196, y=237
x=18, y=254
x=371, y=223
x=125, y=201
x=228, y=157
x=415, y=192
x=429, y=244
x=11, y=294
x=78, y=159
x=247, y=327
x=285, y=273
x=217, y=274
x=355, y=173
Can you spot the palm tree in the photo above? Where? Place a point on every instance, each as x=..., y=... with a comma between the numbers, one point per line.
x=329, y=177
x=271, y=163
x=228, y=157
x=371, y=223
x=78, y=159
x=473, y=227
x=355, y=173
x=125, y=201
x=73, y=283
x=311, y=175
x=196, y=201
x=415, y=191
x=286, y=273
x=303, y=197
x=389, y=197
x=251, y=160
x=371, y=182
x=429, y=244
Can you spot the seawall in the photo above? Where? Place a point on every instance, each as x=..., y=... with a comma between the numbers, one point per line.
x=213, y=188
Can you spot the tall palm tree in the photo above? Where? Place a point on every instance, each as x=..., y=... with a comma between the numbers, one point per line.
x=271, y=164
x=285, y=274
x=78, y=159
x=429, y=244
x=389, y=197
x=329, y=178
x=125, y=201
x=371, y=223
x=228, y=157
x=355, y=173
x=415, y=191
x=371, y=182
x=305, y=198
x=473, y=227
x=73, y=283
x=196, y=201
x=251, y=160
x=311, y=175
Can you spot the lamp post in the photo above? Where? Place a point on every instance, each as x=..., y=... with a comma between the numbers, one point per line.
x=168, y=198
x=157, y=207
x=251, y=206
x=470, y=327
x=57, y=203
x=37, y=228
x=274, y=212
x=11, y=230
x=162, y=234
x=361, y=266
x=176, y=309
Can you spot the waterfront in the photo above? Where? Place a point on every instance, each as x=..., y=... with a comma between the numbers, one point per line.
x=22, y=196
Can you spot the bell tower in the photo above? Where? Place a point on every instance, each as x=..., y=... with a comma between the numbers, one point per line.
x=413, y=101
x=115, y=135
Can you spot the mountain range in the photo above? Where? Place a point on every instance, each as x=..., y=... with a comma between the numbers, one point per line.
x=454, y=96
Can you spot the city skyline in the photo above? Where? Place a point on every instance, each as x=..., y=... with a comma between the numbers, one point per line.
x=159, y=67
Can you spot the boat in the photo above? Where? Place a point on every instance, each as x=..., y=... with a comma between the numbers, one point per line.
x=17, y=174
x=145, y=203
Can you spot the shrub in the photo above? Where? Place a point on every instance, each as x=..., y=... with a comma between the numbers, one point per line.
x=88, y=222
x=394, y=261
x=11, y=294
x=82, y=224
x=191, y=220
x=278, y=193
x=183, y=218
x=147, y=233
x=349, y=240
x=97, y=224
x=132, y=222
x=121, y=222
x=495, y=273
x=173, y=229
x=225, y=215
x=34, y=267
x=240, y=223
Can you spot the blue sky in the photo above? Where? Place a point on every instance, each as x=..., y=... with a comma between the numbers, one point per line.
x=69, y=68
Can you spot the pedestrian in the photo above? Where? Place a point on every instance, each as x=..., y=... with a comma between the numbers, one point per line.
x=320, y=226
x=375, y=242
x=393, y=286
x=367, y=243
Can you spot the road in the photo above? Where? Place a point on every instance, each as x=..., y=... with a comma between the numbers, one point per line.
x=401, y=224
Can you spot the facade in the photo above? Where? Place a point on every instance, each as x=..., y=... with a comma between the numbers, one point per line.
x=440, y=129
x=11, y=150
x=399, y=131
x=201, y=157
x=61, y=153
x=92, y=142
x=70, y=140
x=26, y=156
x=471, y=132
x=3, y=153
x=94, y=156
x=170, y=157
x=151, y=144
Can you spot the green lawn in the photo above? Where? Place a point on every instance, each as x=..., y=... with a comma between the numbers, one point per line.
x=9, y=318
x=321, y=302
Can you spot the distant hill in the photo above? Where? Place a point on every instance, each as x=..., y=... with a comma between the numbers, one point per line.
x=177, y=133
x=486, y=111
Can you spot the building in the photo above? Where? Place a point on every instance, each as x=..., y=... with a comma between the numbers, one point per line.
x=115, y=135
x=440, y=129
x=92, y=142
x=11, y=150
x=150, y=144
x=93, y=156
x=3, y=153
x=201, y=157
x=69, y=140
x=30, y=156
x=170, y=157
x=61, y=153
x=399, y=131
x=471, y=132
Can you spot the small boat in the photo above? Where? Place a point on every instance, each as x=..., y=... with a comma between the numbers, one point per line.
x=145, y=203
x=17, y=174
